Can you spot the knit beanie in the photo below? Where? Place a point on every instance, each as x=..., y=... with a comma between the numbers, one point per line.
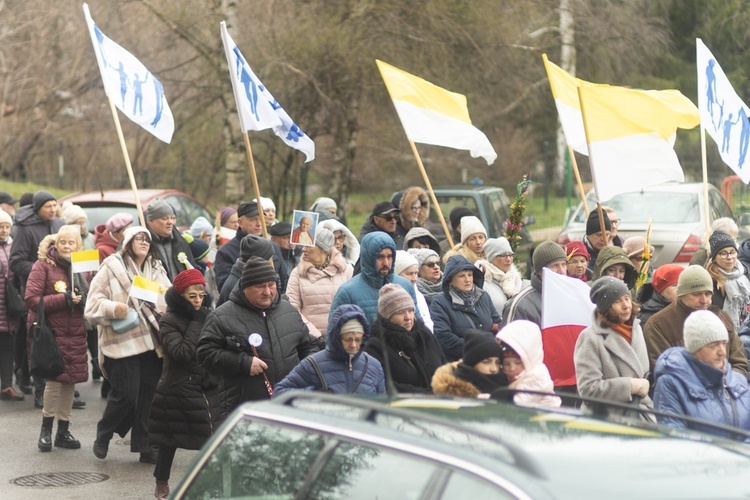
x=118, y=221
x=323, y=204
x=593, y=226
x=480, y=345
x=393, y=299
x=666, y=275
x=457, y=214
x=577, y=249
x=255, y=246
x=131, y=232
x=26, y=199
x=720, y=240
x=352, y=326
x=701, y=328
x=324, y=239
x=158, y=209
x=40, y=198
x=201, y=226
x=71, y=213
x=5, y=217
x=248, y=209
x=494, y=247
x=225, y=213
x=606, y=291
x=199, y=248
x=546, y=253
x=188, y=278
x=694, y=279
x=471, y=225
x=256, y=272
x=422, y=254
x=404, y=260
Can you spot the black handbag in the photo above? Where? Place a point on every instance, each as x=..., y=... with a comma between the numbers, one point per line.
x=14, y=303
x=45, y=358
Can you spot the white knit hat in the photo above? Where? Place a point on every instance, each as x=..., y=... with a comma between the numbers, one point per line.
x=701, y=328
x=71, y=213
x=404, y=260
x=5, y=217
x=471, y=225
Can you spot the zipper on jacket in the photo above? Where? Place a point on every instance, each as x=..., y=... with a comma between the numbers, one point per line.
x=350, y=364
x=208, y=409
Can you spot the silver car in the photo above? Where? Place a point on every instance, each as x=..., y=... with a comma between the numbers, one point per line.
x=677, y=211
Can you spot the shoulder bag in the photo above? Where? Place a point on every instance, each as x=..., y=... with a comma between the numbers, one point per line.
x=14, y=303
x=45, y=358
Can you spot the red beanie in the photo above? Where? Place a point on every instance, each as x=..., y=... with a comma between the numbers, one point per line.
x=666, y=275
x=188, y=278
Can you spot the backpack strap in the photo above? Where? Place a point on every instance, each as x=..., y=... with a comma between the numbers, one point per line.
x=361, y=377
x=316, y=367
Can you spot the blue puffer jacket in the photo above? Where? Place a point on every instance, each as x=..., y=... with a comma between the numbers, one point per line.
x=452, y=317
x=340, y=372
x=364, y=289
x=685, y=385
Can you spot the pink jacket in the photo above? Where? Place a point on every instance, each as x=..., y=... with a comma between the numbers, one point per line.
x=311, y=291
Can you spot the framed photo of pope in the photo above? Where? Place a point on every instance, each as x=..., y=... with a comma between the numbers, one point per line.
x=304, y=225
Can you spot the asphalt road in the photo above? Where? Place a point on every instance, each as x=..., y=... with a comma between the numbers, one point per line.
x=125, y=476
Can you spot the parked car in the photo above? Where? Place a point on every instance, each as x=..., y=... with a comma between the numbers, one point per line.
x=678, y=215
x=101, y=205
x=327, y=446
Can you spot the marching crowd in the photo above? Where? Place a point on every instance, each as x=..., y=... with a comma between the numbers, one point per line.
x=245, y=318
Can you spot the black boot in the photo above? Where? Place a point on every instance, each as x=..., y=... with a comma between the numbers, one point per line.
x=63, y=438
x=45, y=437
x=96, y=372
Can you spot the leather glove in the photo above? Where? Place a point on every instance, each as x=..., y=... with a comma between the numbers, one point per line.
x=639, y=387
x=121, y=311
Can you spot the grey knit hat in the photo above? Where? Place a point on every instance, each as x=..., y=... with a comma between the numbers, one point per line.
x=496, y=246
x=701, y=328
x=255, y=246
x=40, y=198
x=324, y=239
x=158, y=208
x=393, y=299
x=257, y=271
x=546, y=253
x=606, y=291
x=694, y=279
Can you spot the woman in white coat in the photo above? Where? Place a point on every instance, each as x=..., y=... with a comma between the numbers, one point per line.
x=502, y=281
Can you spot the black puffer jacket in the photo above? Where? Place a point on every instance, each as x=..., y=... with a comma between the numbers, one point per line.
x=28, y=232
x=187, y=397
x=413, y=356
x=223, y=348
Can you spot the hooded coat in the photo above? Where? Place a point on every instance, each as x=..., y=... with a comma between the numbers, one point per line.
x=687, y=386
x=364, y=289
x=7, y=323
x=351, y=245
x=404, y=201
x=452, y=316
x=28, y=232
x=187, y=397
x=343, y=374
x=459, y=379
x=420, y=232
x=653, y=305
x=104, y=242
x=609, y=256
x=526, y=304
x=525, y=338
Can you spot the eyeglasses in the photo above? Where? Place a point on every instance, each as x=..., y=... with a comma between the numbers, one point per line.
x=341, y=239
x=388, y=217
x=615, y=222
x=193, y=296
x=416, y=208
x=142, y=239
x=726, y=254
x=506, y=256
x=433, y=263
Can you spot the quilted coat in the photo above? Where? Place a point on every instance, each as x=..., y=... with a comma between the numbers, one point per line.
x=7, y=323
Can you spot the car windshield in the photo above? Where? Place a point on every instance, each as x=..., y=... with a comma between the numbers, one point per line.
x=638, y=207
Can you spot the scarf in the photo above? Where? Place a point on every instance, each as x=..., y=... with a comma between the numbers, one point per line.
x=429, y=289
x=485, y=383
x=469, y=297
x=737, y=294
x=324, y=265
x=509, y=282
x=623, y=330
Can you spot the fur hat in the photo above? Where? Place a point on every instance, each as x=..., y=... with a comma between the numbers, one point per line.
x=471, y=225
x=701, y=328
x=188, y=278
x=494, y=247
x=718, y=241
x=403, y=261
x=457, y=214
x=248, y=209
x=131, y=232
x=158, y=208
x=422, y=254
x=694, y=279
x=5, y=217
x=393, y=299
x=255, y=246
x=546, y=253
x=324, y=239
x=606, y=291
x=118, y=221
x=592, y=223
x=200, y=226
x=480, y=345
x=577, y=249
x=40, y=198
x=666, y=275
x=71, y=213
x=257, y=271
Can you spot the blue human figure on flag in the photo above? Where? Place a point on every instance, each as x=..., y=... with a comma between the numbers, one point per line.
x=100, y=40
x=124, y=80
x=727, y=126
x=159, y=92
x=251, y=91
x=711, y=88
x=744, y=135
x=295, y=133
x=138, y=90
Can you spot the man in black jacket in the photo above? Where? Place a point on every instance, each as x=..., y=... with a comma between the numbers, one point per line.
x=254, y=339
x=171, y=248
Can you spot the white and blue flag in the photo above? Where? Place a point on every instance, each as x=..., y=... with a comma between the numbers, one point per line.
x=723, y=114
x=133, y=88
x=256, y=107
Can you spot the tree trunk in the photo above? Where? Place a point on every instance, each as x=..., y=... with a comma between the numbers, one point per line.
x=344, y=152
x=235, y=163
x=567, y=63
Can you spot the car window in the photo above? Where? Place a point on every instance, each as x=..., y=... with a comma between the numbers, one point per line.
x=637, y=207
x=99, y=215
x=448, y=203
x=187, y=210
x=356, y=471
x=719, y=206
x=462, y=485
x=498, y=214
x=256, y=461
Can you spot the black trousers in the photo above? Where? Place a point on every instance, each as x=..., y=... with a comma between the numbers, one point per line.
x=133, y=381
x=164, y=463
x=21, y=353
x=6, y=359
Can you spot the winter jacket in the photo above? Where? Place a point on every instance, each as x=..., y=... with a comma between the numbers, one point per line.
x=424, y=310
x=311, y=290
x=403, y=201
x=351, y=244
x=28, y=232
x=187, y=397
x=104, y=242
x=459, y=379
x=609, y=256
x=223, y=348
x=364, y=289
x=525, y=338
x=236, y=273
x=226, y=259
x=527, y=304
x=452, y=317
x=343, y=374
x=370, y=227
x=687, y=386
x=743, y=254
x=500, y=286
x=7, y=323
x=168, y=251
x=50, y=278
x=420, y=232
x=110, y=287
x=413, y=356
x=593, y=253
x=664, y=330
x=606, y=363
x=653, y=305
x=87, y=241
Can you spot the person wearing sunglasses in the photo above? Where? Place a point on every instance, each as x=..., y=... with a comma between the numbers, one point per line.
x=731, y=284
x=430, y=280
x=384, y=218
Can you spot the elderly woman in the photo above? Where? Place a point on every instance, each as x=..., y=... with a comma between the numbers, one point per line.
x=698, y=381
x=402, y=344
x=63, y=303
x=129, y=353
x=463, y=305
x=731, y=285
x=314, y=282
x=407, y=266
x=430, y=276
x=578, y=261
x=502, y=281
x=344, y=367
x=8, y=323
x=610, y=356
x=345, y=241
x=473, y=236
x=302, y=234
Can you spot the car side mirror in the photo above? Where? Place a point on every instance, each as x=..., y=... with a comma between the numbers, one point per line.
x=743, y=219
x=529, y=220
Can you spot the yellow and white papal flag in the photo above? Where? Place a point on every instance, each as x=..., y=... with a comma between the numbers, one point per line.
x=433, y=115
x=85, y=261
x=144, y=289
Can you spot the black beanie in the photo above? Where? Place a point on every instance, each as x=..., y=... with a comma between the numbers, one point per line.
x=457, y=214
x=40, y=198
x=592, y=224
x=480, y=345
x=256, y=272
x=720, y=240
x=255, y=246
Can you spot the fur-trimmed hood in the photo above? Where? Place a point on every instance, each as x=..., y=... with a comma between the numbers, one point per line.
x=609, y=256
x=445, y=383
x=44, y=250
x=409, y=196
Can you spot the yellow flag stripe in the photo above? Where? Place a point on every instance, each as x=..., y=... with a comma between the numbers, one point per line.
x=84, y=256
x=151, y=286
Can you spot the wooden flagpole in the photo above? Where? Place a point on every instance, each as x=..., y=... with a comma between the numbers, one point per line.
x=432, y=193
x=578, y=179
x=255, y=185
x=129, y=167
x=705, y=181
x=603, y=227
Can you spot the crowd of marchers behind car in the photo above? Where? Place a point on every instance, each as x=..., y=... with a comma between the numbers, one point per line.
x=236, y=317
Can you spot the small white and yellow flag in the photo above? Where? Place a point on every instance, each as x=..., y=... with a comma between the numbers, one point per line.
x=85, y=261
x=144, y=289
x=433, y=115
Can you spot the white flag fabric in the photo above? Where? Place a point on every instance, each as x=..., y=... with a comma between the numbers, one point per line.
x=257, y=108
x=568, y=301
x=723, y=114
x=135, y=91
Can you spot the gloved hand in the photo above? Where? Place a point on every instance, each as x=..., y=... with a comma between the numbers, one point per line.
x=121, y=311
x=639, y=387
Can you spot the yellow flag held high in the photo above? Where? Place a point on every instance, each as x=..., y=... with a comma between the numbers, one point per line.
x=85, y=261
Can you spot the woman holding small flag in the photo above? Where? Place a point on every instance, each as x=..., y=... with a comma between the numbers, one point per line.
x=126, y=301
x=64, y=301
